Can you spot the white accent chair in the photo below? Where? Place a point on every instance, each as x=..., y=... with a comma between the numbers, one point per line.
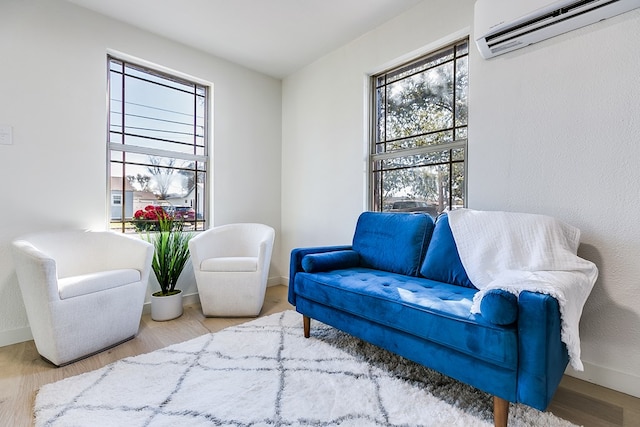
x=231, y=266
x=83, y=291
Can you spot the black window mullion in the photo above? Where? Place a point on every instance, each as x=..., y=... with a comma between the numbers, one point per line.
x=137, y=130
x=124, y=155
x=381, y=84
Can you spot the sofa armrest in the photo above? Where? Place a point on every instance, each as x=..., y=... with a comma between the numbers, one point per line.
x=295, y=264
x=542, y=356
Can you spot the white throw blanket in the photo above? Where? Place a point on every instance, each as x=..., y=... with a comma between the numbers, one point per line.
x=526, y=252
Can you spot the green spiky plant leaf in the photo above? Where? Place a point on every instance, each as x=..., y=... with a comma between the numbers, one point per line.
x=171, y=253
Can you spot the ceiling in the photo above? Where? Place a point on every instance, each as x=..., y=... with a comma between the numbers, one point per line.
x=275, y=37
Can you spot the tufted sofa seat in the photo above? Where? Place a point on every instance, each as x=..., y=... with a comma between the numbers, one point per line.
x=403, y=303
x=401, y=285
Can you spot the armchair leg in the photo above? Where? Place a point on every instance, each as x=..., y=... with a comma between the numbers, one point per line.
x=306, y=322
x=500, y=412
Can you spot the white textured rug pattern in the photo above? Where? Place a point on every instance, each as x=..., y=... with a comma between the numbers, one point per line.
x=265, y=373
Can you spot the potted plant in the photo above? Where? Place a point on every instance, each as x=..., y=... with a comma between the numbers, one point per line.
x=171, y=253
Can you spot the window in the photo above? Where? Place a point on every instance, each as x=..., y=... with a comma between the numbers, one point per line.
x=157, y=144
x=419, y=133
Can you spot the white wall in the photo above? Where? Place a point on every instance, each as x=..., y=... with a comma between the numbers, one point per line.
x=553, y=129
x=53, y=94
x=325, y=120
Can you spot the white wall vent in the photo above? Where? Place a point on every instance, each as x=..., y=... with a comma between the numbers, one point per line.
x=501, y=26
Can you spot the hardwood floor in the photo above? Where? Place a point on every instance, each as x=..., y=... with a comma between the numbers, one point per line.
x=23, y=372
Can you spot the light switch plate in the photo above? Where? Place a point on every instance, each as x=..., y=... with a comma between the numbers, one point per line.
x=6, y=135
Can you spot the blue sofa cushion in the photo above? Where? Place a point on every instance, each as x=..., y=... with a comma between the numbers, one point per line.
x=394, y=242
x=326, y=261
x=434, y=311
x=442, y=262
x=499, y=307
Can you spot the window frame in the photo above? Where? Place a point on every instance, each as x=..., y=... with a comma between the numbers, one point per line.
x=375, y=201
x=120, y=223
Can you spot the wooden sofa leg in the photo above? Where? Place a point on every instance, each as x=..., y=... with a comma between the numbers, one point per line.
x=500, y=412
x=306, y=321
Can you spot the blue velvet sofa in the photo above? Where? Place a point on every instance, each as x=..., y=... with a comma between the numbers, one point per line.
x=401, y=286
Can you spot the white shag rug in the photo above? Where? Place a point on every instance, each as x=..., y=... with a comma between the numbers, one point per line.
x=265, y=373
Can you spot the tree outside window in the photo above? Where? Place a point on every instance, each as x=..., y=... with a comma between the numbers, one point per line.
x=419, y=133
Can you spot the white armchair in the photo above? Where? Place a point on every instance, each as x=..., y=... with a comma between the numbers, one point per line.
x=231, y=266
x=83, y=291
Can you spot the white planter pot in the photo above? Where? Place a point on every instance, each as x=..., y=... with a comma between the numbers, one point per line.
x=166, y=307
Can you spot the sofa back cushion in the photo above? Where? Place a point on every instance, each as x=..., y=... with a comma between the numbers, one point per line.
x=442, y=262
x=394, y=242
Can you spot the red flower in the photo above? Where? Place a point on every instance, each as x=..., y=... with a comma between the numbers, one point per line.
x=151, y=215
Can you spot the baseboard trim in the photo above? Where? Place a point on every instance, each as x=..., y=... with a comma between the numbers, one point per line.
x=15, y=336
x=274, y=281
x=607, y=377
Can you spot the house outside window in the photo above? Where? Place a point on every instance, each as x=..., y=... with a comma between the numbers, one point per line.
x=157, y=144
x=419, y=133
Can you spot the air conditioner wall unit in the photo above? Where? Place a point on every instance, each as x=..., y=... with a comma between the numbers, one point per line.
x=501, y=26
